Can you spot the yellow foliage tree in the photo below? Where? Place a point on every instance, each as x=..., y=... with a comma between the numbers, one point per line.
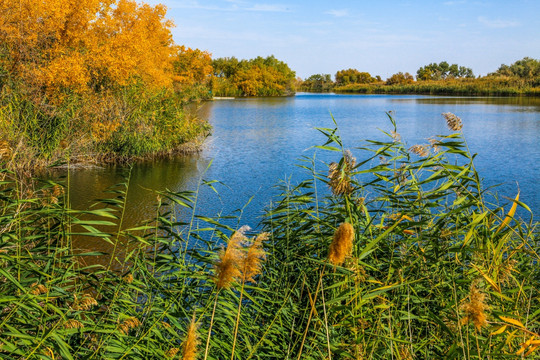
x=81, y=45
x=192, y=66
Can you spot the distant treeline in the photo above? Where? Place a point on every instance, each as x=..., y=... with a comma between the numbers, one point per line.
x=519, y=78
x=255, y=77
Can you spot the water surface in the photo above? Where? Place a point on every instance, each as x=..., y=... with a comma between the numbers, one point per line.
x=256, y=143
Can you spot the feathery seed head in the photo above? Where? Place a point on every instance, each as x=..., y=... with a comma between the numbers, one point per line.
x=189, y=349
x=73, y=324
x=37, y=289
x=228, y=266
x=339, y=175
x=86, y=303
x=453, y=122
x=475, y=308
x=342, y=244
x=435, y=144
x=172, y=352
x=253, y=260
x=420, y=150
x=5, y=151
x=128, y=324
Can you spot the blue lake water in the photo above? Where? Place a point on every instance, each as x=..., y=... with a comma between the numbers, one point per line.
x=256, y=143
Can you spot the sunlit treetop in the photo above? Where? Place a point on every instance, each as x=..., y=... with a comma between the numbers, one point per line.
x=83, y=45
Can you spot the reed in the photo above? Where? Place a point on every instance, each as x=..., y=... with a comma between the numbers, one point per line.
x=415, y=259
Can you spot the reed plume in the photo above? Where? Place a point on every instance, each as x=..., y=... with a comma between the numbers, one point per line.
x=227, y=270
x=339, y=175
x=420, y=150
x=128, y=278
x=5, y=151
x=342, y=244
x=435, y=144
x=73, y=324
x=189, y=347
x=252, y=262
x=251, y=267
x=396, y=137
x=453, y=122
x=475, y=308
x=228, y=265
x=86, y=303
x=37, y=289
x=172, y=352
x=128, y=324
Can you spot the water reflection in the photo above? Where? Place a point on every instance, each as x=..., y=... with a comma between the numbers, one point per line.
x=521, y=103
x=87, y=185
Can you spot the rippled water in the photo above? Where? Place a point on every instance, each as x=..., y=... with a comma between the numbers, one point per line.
x=256, y=143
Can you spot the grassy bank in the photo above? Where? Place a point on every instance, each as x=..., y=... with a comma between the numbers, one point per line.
x=401, y=254
x=469, y=87
x=124, y=124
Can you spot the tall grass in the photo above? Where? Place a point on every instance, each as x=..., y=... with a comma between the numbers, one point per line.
x=397, y=254
x=118, y=124
x=486, y=86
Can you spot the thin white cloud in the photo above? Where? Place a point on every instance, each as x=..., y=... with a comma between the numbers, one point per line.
x=338, y=13
x=268, y=8
x=497, y=23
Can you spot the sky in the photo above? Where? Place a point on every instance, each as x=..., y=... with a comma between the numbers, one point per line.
x=381, y=37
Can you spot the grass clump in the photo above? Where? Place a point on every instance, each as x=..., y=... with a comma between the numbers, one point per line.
x=411, y=261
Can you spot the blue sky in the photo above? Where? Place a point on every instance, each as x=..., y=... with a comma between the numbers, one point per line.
x=377, y=36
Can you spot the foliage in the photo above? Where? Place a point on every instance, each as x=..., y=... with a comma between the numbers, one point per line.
x=255, y=77
x=83, y=45
x=485, y=86
x=443, y=71
x=353, y=76
x=526, y=68
x=318, y=83
x=431, y=269
x=400, y=79
x=94, y=78
x=192, y=67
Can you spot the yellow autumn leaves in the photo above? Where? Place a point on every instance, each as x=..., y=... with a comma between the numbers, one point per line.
x=83, y=45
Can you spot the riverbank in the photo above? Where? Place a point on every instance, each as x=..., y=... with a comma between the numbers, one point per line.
x=123, y=125
x=462, y=87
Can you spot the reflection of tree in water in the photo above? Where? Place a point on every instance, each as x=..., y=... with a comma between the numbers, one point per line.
x=529, y=101
x=88, y=185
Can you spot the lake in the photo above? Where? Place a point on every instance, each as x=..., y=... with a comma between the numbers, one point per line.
x=257, y=142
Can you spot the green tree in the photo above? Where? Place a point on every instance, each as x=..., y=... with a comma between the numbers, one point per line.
x=400, y=78
x=353, y=76
x=255, y=77
x=318, y=83
x=443, y=71
x=526, y=68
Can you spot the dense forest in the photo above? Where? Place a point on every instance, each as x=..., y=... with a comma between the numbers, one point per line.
x=521, y=77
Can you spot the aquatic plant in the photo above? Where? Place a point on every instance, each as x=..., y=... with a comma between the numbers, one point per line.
x=414, y=260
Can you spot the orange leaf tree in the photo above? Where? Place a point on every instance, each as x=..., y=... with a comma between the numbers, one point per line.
x=82, y=45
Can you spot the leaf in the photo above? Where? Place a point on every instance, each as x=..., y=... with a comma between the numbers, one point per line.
x=510, y=214
x=499, y=330
x=512, y=321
